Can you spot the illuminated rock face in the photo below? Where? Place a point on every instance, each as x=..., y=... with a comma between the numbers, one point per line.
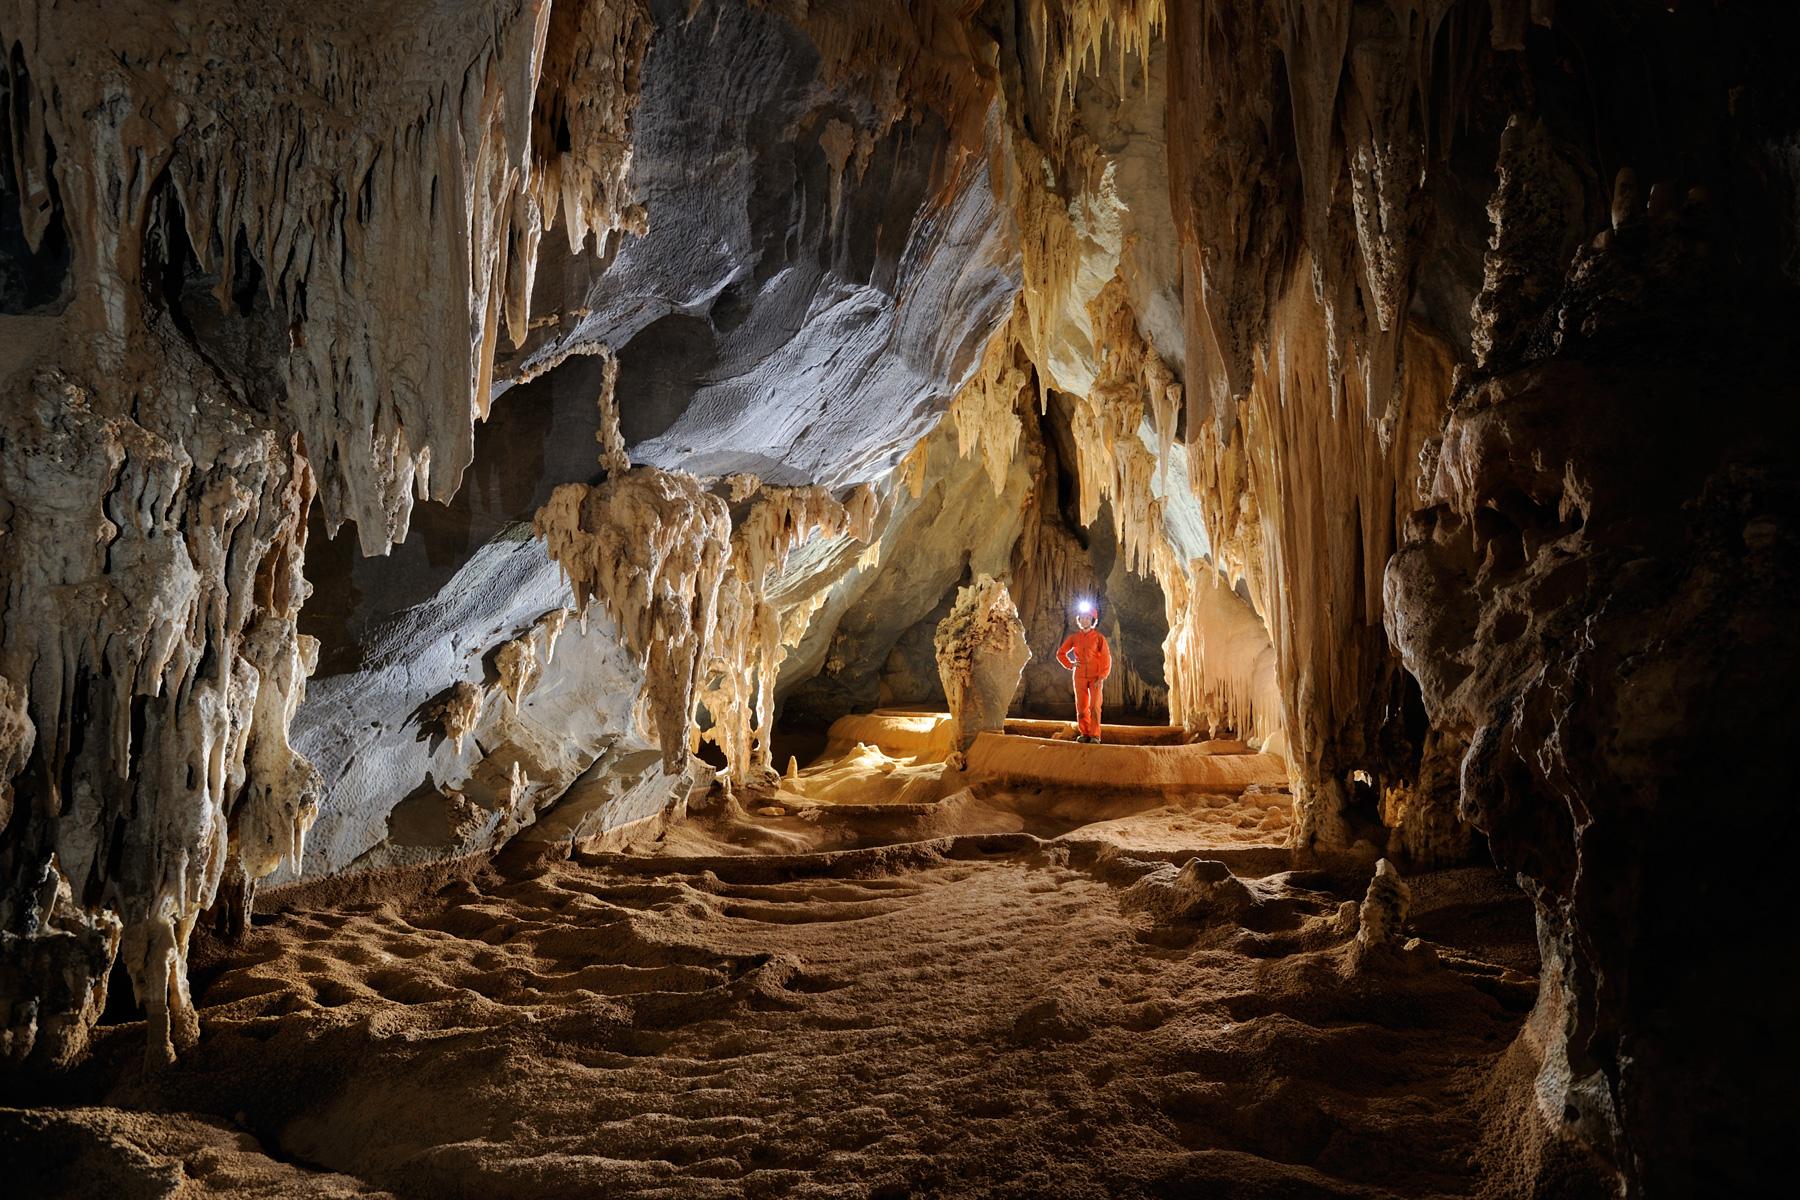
x=981, y=651
x=831, y=338
x=202, y=330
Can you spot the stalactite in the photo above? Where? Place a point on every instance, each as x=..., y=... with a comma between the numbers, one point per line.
x=459, y=712
x=521, y=661
x=986, y=408
x=53, y=980
x=451, y=182
x=17, y=737
x=613, y=458
x=1218, y=660
x=910, y=473
x=688, y=591
x=1311, y=402
x=152, y=608
x=1305, y=503
x=753, y=633
x=653, y=547
x=157, y=520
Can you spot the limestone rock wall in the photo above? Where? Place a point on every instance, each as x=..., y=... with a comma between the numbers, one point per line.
x=1347, y=354
x=157, y=501
x=1322, y=160
x=953, y=527
x=758, y=263
x=1588, y=599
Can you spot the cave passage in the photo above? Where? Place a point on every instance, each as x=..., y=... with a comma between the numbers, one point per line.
x=536, y=538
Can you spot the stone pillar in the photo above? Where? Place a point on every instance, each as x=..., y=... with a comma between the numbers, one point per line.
x=981, y=653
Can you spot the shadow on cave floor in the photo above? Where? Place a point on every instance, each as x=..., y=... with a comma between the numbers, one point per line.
x=1049, y=1009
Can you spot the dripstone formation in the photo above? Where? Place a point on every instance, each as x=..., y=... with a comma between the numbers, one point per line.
x=418, y=418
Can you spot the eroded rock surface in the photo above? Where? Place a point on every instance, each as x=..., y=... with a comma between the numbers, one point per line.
x=981, y=651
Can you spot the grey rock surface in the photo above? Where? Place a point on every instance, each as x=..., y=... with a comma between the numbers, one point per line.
x=757, y=329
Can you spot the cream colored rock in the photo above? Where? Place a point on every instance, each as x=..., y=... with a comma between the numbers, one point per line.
x=1382, y=915
x=17, y=736
x=653, y=547
x=517, y=662
x=458, y=713
x=981, y=651
x=754, y=629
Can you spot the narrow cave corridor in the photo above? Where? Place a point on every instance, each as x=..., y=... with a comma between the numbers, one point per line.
x=896, y=598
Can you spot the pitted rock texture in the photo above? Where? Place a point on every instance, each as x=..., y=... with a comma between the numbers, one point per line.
x=981, y=651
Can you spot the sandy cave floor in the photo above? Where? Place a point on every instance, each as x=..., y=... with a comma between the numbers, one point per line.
x=988, y=1013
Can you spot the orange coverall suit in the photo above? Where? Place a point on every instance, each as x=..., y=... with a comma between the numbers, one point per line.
x=1086, y=653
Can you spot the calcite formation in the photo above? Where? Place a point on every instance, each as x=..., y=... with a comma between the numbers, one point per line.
x=1381, y=918
x=521, y=661
x=753, y=631
x=17, y=737
x=437, y=191
x=688, y=593
x=458, y=712
x=1421, y=356
x=981, y=650
x=653, y=548
x=152, y=611
x=1607, y=589
x=1319, y=169
x=53, y=976
x=158, y=480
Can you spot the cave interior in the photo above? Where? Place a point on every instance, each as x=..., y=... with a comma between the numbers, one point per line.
x=536, y=536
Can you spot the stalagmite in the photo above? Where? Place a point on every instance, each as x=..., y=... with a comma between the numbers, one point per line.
x=1382, y=917
x=981, y=651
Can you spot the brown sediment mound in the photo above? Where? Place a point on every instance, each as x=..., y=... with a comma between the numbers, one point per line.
x=985, y=1013
x=124, y=1155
